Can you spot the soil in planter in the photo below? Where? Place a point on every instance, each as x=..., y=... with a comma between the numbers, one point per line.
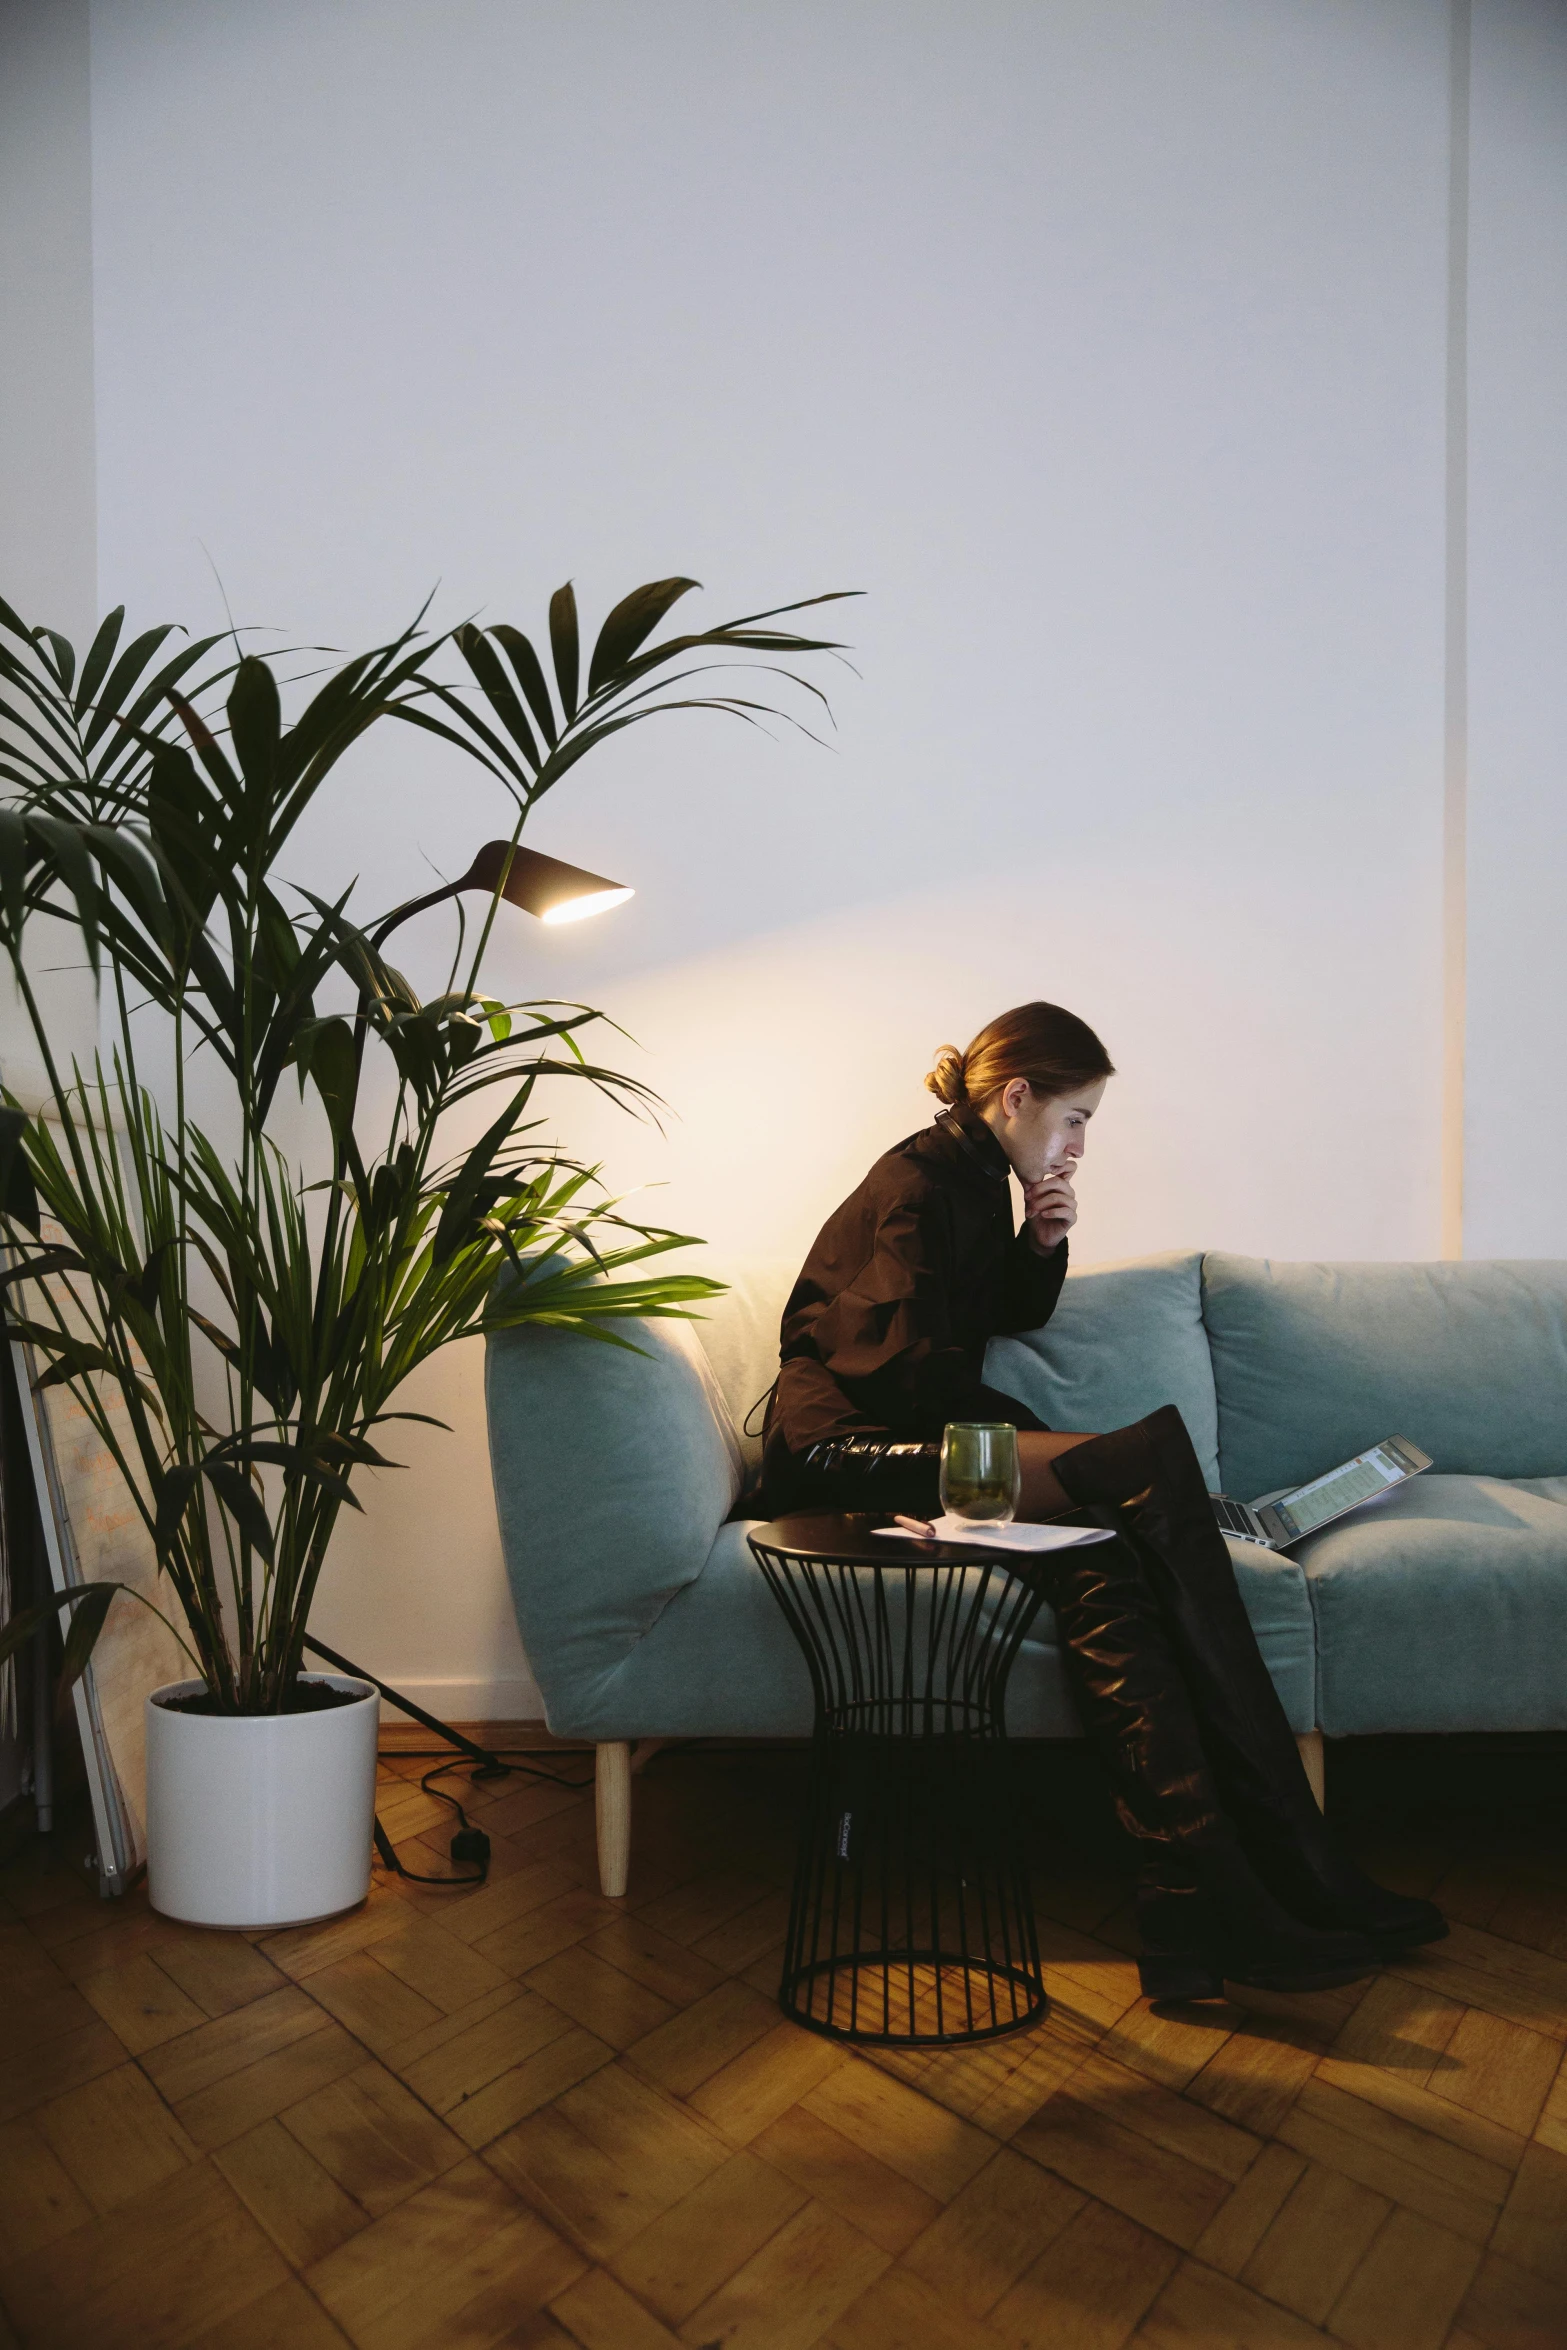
x=306, y=1697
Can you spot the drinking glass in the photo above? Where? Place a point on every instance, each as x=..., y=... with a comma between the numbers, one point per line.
x=980, y=1475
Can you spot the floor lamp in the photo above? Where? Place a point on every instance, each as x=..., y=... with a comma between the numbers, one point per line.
x=555, y=892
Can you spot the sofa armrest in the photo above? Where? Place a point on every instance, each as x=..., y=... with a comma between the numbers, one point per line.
x=613, y=1472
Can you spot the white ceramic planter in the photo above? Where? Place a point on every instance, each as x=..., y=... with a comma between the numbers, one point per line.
x=260, y=1820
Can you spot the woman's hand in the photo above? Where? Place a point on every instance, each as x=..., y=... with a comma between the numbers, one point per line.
x=1050, y=1209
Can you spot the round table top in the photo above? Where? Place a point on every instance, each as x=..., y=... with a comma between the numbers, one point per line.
x=850, y=1537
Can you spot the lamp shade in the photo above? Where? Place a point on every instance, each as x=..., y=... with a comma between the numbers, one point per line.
x=554, y=891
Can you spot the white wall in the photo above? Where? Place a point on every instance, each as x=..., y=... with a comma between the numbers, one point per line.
x=1516, y=1103
x=48, y=510
x=1102, y=343
x=48, y=503
x=48, y=517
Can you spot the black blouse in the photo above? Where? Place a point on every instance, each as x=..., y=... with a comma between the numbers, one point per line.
x=885, y=1330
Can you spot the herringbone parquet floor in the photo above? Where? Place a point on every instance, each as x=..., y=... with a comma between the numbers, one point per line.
x=530, y=2117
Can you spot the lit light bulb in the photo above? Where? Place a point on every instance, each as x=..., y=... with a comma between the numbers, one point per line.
x=596, y=901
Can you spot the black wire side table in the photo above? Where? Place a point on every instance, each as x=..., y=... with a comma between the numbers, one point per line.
x=911, y=1919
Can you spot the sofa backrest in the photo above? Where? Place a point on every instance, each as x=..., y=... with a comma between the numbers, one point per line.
x=1123, y=1340
x=1312, y=1363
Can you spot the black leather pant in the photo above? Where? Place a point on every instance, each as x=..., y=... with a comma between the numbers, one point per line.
x=855, y=1473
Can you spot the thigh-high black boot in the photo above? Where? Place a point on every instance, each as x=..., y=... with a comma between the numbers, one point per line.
x=1261, y=1780
x=1203, y=1913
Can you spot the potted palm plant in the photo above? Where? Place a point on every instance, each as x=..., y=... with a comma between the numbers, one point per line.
x=236, y=1312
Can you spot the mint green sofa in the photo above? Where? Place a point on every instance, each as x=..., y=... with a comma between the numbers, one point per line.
x=1442, y=1608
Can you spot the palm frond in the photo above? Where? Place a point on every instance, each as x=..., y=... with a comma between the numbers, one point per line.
x=233, y=1320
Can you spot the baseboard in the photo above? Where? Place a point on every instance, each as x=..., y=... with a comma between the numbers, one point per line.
x=510, y=1701
x=400, y=1736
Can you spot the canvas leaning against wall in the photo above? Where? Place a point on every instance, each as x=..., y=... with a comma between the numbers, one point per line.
x=93, y=1532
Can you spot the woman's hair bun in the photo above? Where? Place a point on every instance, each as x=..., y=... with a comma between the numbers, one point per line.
x=1053, y=1051
x=945, y=1081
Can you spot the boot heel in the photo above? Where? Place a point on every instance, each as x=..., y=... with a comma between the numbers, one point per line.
x=1179, y=1978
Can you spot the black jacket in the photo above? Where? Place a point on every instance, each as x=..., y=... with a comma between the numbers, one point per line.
x=885, y=1330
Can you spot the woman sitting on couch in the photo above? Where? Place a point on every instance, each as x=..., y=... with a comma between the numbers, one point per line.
x=883, y=1343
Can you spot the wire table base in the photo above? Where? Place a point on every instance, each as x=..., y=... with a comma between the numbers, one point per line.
x=911, y=1919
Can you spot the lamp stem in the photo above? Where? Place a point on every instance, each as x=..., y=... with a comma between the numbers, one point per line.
x=400, y=914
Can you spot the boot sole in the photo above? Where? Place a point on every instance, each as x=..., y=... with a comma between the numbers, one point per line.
x=1292, y=1979
x=1183, y=1979
x=1389, y=1945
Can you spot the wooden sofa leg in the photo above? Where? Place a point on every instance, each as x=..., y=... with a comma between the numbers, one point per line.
x=1311, y=1755
x=612, y=1804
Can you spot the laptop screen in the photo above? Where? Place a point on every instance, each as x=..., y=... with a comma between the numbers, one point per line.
x=1327, y=1497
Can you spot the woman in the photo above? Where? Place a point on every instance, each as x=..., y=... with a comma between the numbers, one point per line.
x=883, y=1343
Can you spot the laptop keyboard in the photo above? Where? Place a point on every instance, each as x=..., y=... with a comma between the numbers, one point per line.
x=1233, y=1517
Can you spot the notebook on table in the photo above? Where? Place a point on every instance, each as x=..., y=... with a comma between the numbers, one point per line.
x=1020, y=1534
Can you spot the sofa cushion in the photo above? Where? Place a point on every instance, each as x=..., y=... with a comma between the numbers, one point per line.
x=1312, y=1363
x=1442, y=1608
x=739, y=1335
x=1123, y=1340
x=613, y=1471
x=721, y=1661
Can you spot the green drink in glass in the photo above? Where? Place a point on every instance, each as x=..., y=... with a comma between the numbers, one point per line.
x=980, y=1475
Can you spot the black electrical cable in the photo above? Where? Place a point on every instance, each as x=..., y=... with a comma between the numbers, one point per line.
x=493, y=1768
x=468, y=1842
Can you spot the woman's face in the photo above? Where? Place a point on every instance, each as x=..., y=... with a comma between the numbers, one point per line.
x=1042, y=1135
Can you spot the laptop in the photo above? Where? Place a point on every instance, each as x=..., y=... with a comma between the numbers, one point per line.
x=1279, y=1519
